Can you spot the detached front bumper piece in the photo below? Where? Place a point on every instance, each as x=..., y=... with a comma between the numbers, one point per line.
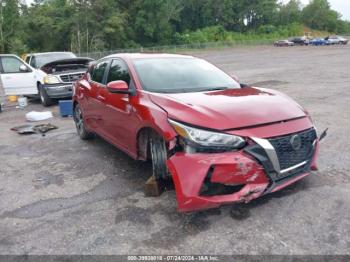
x=209, y=180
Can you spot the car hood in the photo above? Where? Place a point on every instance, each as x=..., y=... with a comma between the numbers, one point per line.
x=230, y=108
x=63, y=65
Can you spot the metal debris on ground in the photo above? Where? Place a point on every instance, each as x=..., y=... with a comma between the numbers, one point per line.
x=32, y=129
x=24, y=129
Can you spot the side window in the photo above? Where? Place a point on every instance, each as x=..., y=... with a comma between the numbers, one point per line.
x=118, y=71
x=33, y=62
x=11, y=64
x=28, y=59
x=99, y=71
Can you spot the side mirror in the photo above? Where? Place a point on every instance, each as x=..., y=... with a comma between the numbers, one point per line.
x=118, y=87
x=23, y=68
x=234, y=77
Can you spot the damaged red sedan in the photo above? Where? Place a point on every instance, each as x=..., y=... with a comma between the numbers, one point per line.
x=221, y=142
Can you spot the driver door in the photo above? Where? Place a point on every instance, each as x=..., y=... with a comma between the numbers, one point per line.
x=117, y=118
x=14, y=80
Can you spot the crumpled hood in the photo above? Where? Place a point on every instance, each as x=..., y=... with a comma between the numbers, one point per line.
x=230, y=108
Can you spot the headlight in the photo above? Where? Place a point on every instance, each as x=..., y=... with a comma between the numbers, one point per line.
x=51, y=79
x=207, y=138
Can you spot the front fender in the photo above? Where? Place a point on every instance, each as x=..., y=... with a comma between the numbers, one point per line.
x=152, y=116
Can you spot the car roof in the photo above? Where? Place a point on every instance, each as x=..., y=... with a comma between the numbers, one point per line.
x=45, y=53
x=148, y=55
x=8, y=55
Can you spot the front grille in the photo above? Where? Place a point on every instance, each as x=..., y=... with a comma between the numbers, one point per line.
x=70, y=78
x=289, y=156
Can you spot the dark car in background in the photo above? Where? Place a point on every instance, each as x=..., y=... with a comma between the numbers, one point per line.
x=62, y=69
x=300, y=40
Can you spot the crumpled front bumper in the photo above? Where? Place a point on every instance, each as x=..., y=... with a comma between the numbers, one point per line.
x=191, y=171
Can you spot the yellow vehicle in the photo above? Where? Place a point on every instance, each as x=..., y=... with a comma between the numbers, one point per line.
x=24, y=56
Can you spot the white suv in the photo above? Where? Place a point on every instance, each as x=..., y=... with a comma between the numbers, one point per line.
x=50, y=75
x=18, y=77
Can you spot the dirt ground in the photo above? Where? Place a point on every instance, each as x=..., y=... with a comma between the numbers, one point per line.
x=61, y=195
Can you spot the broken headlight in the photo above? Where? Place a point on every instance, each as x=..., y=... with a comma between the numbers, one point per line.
x=208, y=139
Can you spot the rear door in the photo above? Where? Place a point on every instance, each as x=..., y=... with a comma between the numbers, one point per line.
x=92, y=104
x=14, y=80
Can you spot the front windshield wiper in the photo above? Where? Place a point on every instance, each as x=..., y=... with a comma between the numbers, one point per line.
x=189, y=90
x=212, y=88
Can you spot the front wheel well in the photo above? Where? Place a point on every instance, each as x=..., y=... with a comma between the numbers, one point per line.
x=74, y=104
x=143, y=142
x=153, y=146
x=38, y=84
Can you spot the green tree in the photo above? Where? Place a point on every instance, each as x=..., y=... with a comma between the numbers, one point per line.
x=152, y=22
x=319, y=15
x=10, y=27
x=95, y=25
x=48, y=25
x=260, y=12
x=290, y=12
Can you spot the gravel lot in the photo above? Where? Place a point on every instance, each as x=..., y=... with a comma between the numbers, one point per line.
x=61, y=195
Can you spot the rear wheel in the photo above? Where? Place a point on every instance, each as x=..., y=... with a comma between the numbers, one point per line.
x=159, y=156
x=44, y=97
x=79, y=124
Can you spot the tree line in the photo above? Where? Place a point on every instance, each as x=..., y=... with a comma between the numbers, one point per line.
x=95, y=25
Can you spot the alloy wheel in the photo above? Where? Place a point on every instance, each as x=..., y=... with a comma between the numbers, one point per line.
x=78, y=118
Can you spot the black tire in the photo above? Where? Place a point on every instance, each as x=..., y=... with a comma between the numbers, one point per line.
x=159, y=156
x=79, y=124
x=44, y=98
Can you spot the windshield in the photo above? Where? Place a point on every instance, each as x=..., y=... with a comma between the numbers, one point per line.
x=178, y=75
x=43, y=59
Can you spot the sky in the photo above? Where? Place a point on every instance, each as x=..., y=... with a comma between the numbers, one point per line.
x=342, y=6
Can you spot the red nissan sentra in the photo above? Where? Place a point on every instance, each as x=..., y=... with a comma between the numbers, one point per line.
x=220, y=141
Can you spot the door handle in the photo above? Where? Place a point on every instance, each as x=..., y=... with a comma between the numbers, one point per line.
x=101, y=98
